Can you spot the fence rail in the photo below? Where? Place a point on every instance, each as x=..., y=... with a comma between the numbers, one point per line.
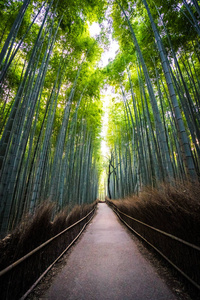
x=8, y=274
x=172, y=237
x=160, y=231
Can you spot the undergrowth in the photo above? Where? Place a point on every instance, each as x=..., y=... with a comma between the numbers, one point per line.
x=171, y=208
x=29, y=234
x=174, y=209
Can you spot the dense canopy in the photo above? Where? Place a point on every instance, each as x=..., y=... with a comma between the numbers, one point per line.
x=51, y=108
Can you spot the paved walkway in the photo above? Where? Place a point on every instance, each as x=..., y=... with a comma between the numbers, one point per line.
x=106, y=265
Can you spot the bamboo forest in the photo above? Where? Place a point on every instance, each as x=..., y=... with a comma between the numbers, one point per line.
x=74, y=127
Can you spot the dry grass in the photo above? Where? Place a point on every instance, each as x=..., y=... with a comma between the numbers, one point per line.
x=31, y=232
x=174, y=209
x=171, y=208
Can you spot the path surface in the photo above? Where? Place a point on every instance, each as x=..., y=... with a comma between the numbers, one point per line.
x=106, y=265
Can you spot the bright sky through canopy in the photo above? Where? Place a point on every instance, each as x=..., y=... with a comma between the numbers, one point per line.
x=107, y=56
x=94, y=29
x=113, y=48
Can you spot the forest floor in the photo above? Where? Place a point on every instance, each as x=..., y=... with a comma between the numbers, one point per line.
x=108, y=262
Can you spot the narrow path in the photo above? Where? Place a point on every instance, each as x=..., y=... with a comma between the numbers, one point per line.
x=106, y=265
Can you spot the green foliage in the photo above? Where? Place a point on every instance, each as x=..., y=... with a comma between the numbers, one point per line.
x=53, y=127
x=135, y=130
x=50, y=99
